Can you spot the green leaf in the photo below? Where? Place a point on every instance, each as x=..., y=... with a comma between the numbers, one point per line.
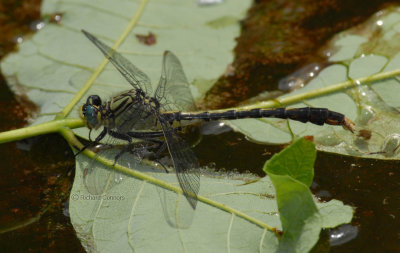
x=296, y=161
x=291, y=172
x=301, y=221
x=229, y=216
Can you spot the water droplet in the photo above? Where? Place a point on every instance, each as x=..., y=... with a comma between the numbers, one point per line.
x=118, y=177
x=208, y=2
x=391, y=144
x=367, y=113
x=36, y=25
x=328, y=140
x=19, y=39
x=214, y=128
x=56, y=18
x=342, y=234
x=300, y=78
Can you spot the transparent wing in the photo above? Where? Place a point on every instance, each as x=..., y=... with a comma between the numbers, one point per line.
x=132, y=74
x=99, y=179
x=186, y=165
x=173, y=91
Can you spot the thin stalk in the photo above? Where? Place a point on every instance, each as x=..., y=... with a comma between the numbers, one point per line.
x=291, y=99
x=44, y=128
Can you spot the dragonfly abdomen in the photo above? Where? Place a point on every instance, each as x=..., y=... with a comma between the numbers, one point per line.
x=318, y=116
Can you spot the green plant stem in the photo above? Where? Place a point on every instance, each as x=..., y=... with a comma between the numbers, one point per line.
x=44, y=128
x=291, y=99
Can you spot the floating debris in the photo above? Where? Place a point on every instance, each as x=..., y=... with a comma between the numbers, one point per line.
x=149, y=39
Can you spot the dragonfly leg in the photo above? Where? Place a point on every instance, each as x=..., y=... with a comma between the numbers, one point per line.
x=124, y=150
x=160, y=145
x=124, y=137
x=101, y=135
x=162, y=165
x=128, y=137
x=145, y=135
x=161, y=148
x=95, y=142
x=156, y=122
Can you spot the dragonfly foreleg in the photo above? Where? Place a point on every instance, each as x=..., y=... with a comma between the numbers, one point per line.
x=95, y=142
x=101, y=135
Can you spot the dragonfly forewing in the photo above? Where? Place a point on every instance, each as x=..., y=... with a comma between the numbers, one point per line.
x=130, y=72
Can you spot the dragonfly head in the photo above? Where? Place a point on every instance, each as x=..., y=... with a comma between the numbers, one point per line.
x=90, y=112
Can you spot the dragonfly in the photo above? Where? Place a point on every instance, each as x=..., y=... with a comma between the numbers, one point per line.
x=139, y=113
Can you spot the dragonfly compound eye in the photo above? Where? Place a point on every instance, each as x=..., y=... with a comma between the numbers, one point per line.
x=94, y=100
x=91, y=115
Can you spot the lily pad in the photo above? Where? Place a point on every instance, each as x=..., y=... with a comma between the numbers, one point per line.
x=237, y=213
x=361, y=61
